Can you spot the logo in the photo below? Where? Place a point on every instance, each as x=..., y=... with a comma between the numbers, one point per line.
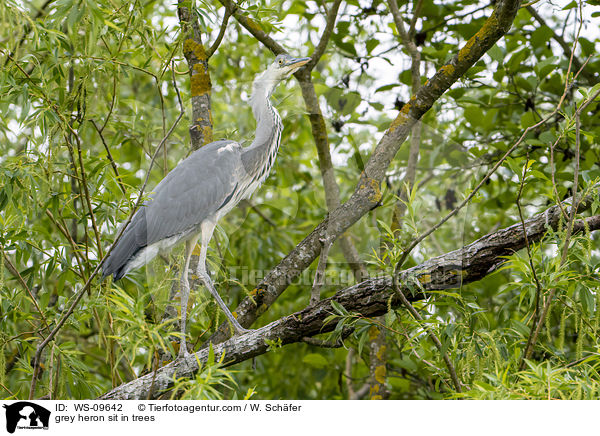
x=26, y=415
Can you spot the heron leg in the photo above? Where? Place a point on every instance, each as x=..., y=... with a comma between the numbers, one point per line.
x=185, y=293
x=207, y=231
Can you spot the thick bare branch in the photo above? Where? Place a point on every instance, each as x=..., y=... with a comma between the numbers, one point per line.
x=370, y=298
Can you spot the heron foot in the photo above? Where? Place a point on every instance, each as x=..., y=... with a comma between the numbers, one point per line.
x=183, y=352
x=239, y=330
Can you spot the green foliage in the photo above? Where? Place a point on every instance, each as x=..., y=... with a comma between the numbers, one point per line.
x=82, y=78
x=209, y=383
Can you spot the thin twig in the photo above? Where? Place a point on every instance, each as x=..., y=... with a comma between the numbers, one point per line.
x=538, y=292
x=322, y=45
x=553, y=176
x=63, y=229
x=315, y=293
x=415, y=17
x=528, y=5
x=323, y=343
x=14, y=271
x=534, y=333
x=86, y=192
x=164, y=126
x=117, y=62
x=536, y=328
x=112, y=103
x=561, y=41
x=259, y=212
x=578, y=361
x=127, y=26
x=8, y=390
x=213, y=48
x=110, y=158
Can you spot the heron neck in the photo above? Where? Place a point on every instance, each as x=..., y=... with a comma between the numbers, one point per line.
x=265, y=115
x=261, y=153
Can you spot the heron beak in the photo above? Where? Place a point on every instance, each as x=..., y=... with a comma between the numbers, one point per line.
x=296, y=63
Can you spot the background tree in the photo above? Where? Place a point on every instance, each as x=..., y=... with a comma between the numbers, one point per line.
x=463, y=263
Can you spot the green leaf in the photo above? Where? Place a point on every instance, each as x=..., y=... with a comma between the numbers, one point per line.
x=338, y=308
x=517, y=58
x=528, y=119
x=3, y=199
x=545, y=67
x=315, y=360
x=541, y=36
x=371, y=44
x=387, y=87
x=496, y=53
x=343, y=101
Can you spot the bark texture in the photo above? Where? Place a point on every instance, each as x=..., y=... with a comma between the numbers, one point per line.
x=370, y=298
x=200, y=84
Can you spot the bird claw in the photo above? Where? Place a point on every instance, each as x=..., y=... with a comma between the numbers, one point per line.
x=183, y=354
x=240, y=331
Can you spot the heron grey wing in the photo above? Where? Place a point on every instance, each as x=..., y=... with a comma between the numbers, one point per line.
x=171, y=210
x=194, y=190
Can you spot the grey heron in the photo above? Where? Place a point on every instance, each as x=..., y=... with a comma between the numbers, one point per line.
x=187, y=204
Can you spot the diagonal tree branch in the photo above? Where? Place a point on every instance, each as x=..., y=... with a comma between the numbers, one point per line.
x=322, y=45
x=370, y=298
x=215, y=45
x=367, y=193
x=253, y=27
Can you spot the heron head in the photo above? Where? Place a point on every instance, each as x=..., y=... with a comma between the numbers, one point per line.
x=285, y=65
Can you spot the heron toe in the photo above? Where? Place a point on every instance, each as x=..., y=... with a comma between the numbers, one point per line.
x=183, y=353
x=239, y=331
